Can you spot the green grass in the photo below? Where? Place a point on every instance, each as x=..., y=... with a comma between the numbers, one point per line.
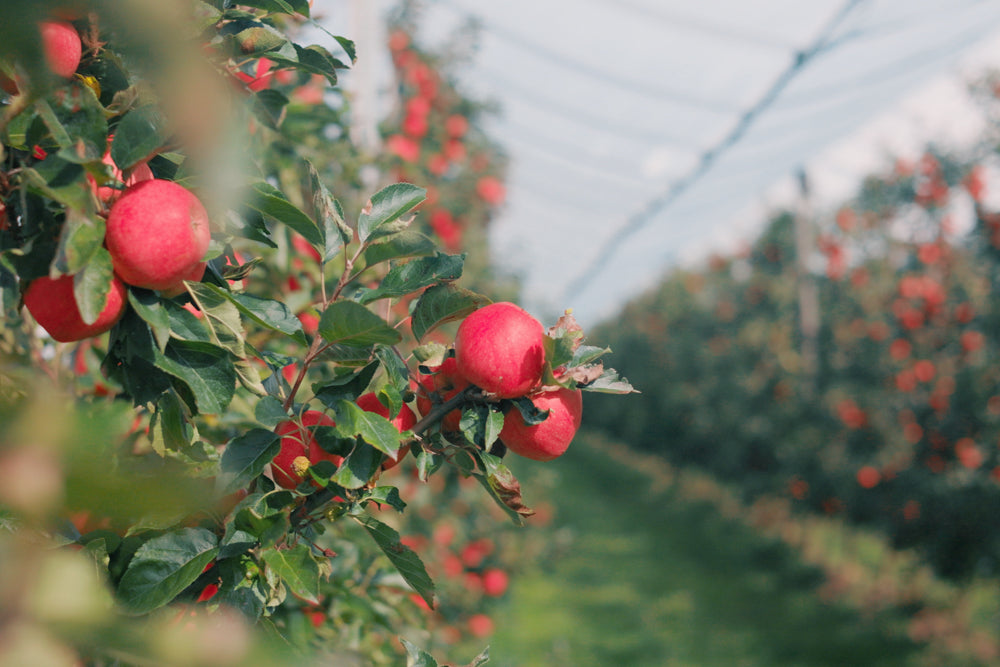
x=650, y=579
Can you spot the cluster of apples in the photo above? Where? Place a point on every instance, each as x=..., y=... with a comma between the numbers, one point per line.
x=499, y=349
x=157, y=234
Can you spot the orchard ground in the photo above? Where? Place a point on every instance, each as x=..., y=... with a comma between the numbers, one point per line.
x=657, y=567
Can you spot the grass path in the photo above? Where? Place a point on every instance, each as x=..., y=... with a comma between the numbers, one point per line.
x=648, y=579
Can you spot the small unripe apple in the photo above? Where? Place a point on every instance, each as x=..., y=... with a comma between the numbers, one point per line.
x=52, y=304
x=446, y=382
x=299, y=449
x=157, y=234
x=551, y=438
x=499, y=349
x=403, y=421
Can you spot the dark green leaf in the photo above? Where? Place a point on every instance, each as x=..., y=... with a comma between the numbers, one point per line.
x=386, y=495
x=268, y=313
x=164, y=566
x=481, y=424
x=441, y=304
x=264, y=516
x=407, y=243
x=269, y=411
x=531, y=415
x=269, y=106
x=313, y=59
x=401, y=556
x=207, y=371
x=259, y=39
x=149, y=307
x=376, y=430
x=349, y=323
x=358, y=467
x=138, y=135
x=382, y=216
x=245, y=457
x=271, y=202
x=297, y=568
x=416, y=274
x=345, y=387
x=169, y=429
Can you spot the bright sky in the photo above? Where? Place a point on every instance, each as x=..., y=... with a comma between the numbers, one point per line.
x=608, y=105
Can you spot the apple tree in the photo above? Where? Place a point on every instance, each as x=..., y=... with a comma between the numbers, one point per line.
x=226, y=369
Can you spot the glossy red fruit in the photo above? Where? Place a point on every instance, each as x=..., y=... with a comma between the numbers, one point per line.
x=499, y=348
x=446, y=382
x=551, y=438
x=52, y=304
x=157, y=234
x=62, y=48
x=299, y=448
x=403, y=421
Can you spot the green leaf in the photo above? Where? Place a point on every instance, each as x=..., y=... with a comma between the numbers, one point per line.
x=313, y=59
x=260, y=38
x=345, y=387
x=283, y=6
x=91, y=285
x=245, y=457
x=164, y=566
x=441, y=304
x=149, y=307
x=269, y=411
x=407, y=243
x=376, y=430
x=331, y=216
x=401, y=556
x=349, y=323
x=482, y=424
x=264, y=516
x=221, y=316
x=382, y=216
x=138, y=135
x=386, y=495
x=80, y=239
x=297, y=568
x=358, y=467
x=271, y=202
x=207, y=372
x=268, y=313
x=417, y=657
x=610, y=383
x=269, y=106
x=169, y=430
x=416, y=274
x=588, y=354
x=503, y=486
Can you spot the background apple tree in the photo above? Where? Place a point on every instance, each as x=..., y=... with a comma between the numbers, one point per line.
x=139, y=517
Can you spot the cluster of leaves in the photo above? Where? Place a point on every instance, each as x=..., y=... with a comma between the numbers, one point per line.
x=303, y=306
x=893, y=421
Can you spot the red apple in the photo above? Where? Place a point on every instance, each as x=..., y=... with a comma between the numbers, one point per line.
x=52, y=304
x=62, y=48
x=495, y=582
x=551, y=438
x=157, y=234
x=299, y=449
x=499, y=349
x=446, y=382
x=403, y=421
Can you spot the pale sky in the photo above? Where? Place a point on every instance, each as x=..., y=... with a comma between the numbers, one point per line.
x=606, y=104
